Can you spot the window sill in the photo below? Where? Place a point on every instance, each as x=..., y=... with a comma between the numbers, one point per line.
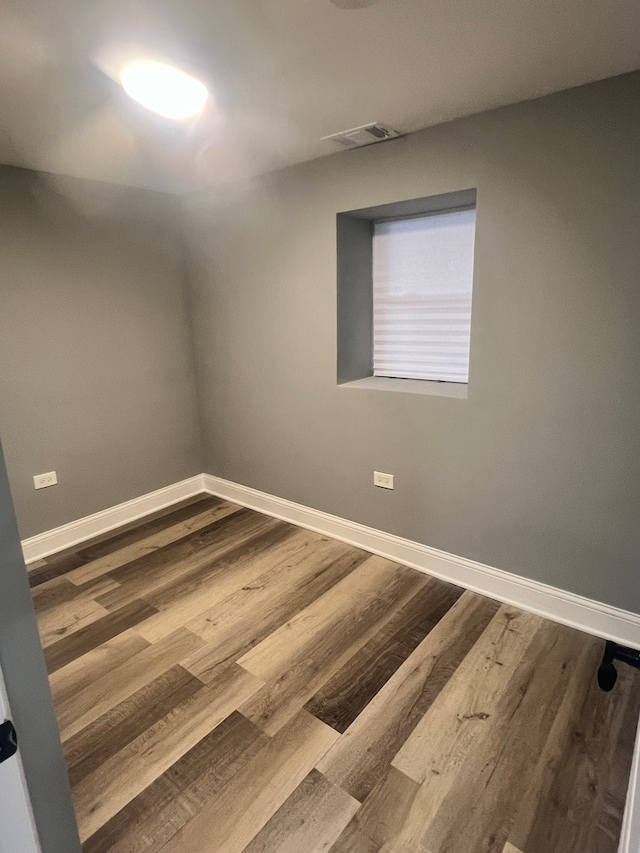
x=456, y=390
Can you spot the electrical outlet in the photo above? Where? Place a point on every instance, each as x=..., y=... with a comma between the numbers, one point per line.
x=385, y=481
x=42, y=481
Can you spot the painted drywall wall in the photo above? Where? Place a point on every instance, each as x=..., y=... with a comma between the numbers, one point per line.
x=27, y=685
x=536, y=472
x=96, y=374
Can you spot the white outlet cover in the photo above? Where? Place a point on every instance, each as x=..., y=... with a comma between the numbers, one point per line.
x=43, y=481
x=384, y=481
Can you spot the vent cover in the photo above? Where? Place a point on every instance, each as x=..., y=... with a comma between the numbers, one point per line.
x=365, y=135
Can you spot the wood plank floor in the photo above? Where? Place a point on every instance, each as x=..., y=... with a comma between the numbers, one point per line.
x=228, y=683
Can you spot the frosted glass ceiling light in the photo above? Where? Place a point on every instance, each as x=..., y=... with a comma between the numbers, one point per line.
x=163, y=88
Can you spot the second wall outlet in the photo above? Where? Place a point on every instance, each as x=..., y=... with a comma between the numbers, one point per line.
x=42, y=481
x=385, y=481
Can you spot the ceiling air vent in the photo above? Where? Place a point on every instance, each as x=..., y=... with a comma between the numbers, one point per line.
x=365, y=135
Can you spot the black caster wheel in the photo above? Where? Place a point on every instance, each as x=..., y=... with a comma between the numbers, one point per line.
x=607, y=677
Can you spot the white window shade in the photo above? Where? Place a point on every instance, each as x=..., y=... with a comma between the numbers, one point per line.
x=422, y=283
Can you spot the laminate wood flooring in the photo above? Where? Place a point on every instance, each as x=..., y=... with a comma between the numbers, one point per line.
x=228, y=683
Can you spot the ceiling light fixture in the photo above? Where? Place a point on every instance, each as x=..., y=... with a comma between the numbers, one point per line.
x=163, y=88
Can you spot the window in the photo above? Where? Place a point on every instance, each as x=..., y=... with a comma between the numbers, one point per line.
x=422, y=281
x=405, y=277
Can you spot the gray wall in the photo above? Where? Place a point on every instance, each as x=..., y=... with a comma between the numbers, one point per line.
x=25, y=675
x=538, y=471
x=96, y=374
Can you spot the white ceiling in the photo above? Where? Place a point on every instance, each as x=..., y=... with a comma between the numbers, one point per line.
x=284, y=72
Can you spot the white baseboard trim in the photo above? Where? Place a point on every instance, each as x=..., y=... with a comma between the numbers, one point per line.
x=587, y=615
x=51, y=541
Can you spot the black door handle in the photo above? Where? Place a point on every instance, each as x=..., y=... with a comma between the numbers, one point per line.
x=8, y=741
